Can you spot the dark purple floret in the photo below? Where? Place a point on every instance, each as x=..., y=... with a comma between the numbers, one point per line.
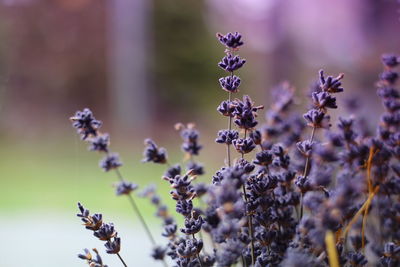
x=113, y=246
x=154, y=154
x=245, y=166
x=245, y=113
x=244, y=146
x=389, y=76
x=91, y=222
x=192, y=225
x=187, y=248
x=317, y=118
x=230, y=40
x=388, y=92
x=200, y=189
x=105, y=232
x=231, y=63
x=173, y=171
x=85, y=123
x=356, y=259
x=125, y=188
x=305, y=147
x=227, y=136
x=256, y=137
x=323, y=100
x=158, y=253
x=184, y=207
x=330, y=84
x=99, y=143
x=226, y=108
x=390, y=60
x=92, y=261
x=196, y=168
x=170, y=230
x=230, y=83
x=263, y=158
x=110, y=162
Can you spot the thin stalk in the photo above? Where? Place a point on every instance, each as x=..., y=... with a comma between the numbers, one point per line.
x=228, y=149
x=123, y=262
x=198, y=254
x=243, y=262
x=139, y=214
x=249, y=217
x=306, y=167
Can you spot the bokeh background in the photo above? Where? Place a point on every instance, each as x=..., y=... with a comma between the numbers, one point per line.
x=142, y=66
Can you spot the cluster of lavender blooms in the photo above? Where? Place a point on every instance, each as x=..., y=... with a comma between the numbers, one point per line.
x=298, y=192
x=104, y=232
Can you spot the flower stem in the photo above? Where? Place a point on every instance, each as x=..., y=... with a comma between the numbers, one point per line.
x=123, y=262
x=139, y=214
x=228, y=149
x=306, y=169
x=198, y=254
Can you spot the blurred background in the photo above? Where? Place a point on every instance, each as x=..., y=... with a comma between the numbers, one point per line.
x=142, y=66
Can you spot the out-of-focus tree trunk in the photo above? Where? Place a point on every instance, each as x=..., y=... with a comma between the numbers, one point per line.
x=128, y=42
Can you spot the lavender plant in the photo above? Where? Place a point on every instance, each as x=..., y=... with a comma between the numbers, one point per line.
x=288, y=197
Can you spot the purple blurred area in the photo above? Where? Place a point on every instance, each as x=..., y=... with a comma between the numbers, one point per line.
x=142, y=64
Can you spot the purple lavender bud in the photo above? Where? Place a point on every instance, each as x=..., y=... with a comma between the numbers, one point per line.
x=91, y=222
x=388, y=92
x=85, y=123
x=230, y=40
x=187, y=248
x=170, y=230
x=392, y=105
x=226, y=108
x=173, y=171
x=113, y=246
x=154, y=154
x=263, y=158
x=389, y=76
x=317, y=118
x=244, y=146
x=356, y=259
x=390, y=60
x=230, y=83
x=192, y=225
x=158, y=253
x=323, y=100
x=196, y=168
x=184, y=207
x=227, y=136
x=244, y=165
x=330, y=84
x=110, y=162
x=256, y=137
x=125, y=188
x=231, y=63
x=105, y=232
x=305, y=147
x=99, y=143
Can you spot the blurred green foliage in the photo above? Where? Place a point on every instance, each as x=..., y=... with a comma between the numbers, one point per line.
x=185, y=56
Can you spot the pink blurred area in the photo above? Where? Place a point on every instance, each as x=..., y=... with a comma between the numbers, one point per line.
x=124, y=59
